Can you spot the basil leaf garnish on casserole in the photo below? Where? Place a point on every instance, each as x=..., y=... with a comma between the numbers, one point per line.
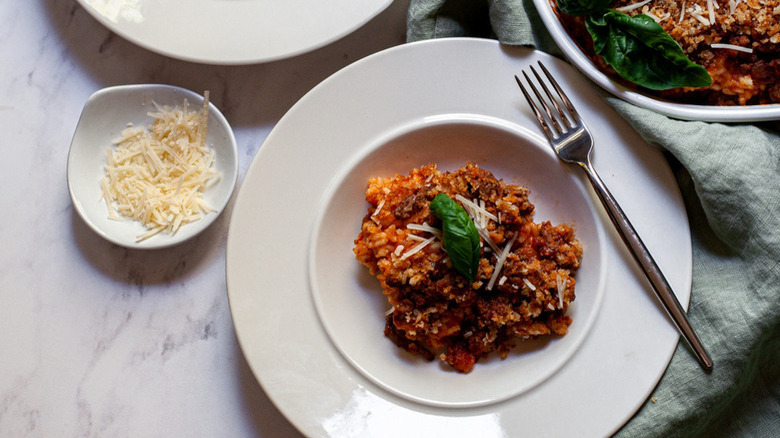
x=459, y=235
x=577, y=8
x=637, y=47
x=641, y=51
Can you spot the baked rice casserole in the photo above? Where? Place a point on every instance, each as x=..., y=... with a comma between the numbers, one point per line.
x=523, y=280
x=736, y=41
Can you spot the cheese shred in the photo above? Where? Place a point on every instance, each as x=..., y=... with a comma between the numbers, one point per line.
x=157, y=175
x=732, y=47
x=632, y=6
x=500, y=262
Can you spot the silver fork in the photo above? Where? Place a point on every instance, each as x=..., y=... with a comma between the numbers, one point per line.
x=573, y=143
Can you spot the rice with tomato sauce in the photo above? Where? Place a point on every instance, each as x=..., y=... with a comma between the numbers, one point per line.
x=524, y=283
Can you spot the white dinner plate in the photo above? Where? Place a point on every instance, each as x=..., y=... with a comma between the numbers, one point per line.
x=309, y=318
x=749, y=113
x=233, y=31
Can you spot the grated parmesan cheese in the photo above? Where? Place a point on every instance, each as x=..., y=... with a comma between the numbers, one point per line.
x=376, y=212
x=632, y=6
x=500, y=262
x=425, y=228
x=696, y=12
x=711, y=9
x=157, y=175
x=732, y=47
x=733, y=6
x=480, y=216
x=417, y=248
x=561, y=284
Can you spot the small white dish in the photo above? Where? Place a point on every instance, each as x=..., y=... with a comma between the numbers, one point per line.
x=106, y=113
x=707, y=113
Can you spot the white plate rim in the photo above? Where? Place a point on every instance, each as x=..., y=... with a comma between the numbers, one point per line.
x=338, y=388
x=707, y=113
x=222, y=37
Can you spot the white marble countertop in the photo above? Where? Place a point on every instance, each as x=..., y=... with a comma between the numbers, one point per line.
x=95, y=339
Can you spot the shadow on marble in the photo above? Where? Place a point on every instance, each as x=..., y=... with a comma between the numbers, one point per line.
x=268, y=421
x=148, y=267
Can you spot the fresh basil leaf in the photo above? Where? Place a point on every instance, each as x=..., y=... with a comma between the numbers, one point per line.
x=576, y=8
x=459, y=235
x=641, y=51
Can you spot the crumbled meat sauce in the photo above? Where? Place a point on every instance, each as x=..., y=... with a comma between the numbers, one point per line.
x=436, y=312
x=739, y=78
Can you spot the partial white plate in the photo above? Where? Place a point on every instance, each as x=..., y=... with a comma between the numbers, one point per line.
x=752, y=113
x=233, y=31
x=106, y=113
x=309, y=318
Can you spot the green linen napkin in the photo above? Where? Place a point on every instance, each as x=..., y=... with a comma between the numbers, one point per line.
x=729, y=175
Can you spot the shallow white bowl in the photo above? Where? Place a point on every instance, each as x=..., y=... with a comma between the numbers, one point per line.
x=106, y=113
x=350, y=303
x=752, y=113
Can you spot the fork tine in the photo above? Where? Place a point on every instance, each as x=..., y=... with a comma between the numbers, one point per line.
x=574, y=114
x=558, y=131
x=537, y=111
x=554, y=101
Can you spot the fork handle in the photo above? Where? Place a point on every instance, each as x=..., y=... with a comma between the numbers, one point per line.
x=650, y=268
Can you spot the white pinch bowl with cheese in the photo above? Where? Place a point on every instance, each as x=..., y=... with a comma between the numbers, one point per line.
x=105, y=115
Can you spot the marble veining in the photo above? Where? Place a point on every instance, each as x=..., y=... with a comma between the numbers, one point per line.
x=98, y=340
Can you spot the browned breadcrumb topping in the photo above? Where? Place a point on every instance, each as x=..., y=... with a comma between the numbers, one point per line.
x=436, y=311
x=740, y=77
